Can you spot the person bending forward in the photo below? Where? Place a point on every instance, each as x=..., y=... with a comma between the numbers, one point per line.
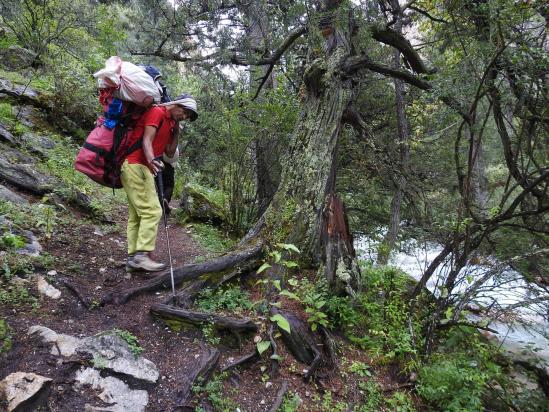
x=158, y=126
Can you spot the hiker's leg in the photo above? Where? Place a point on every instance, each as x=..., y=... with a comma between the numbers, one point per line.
x=147, y=207
x=133, y=229
x=134, y=181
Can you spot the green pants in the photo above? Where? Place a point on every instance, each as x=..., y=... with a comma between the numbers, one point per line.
x=144, y=208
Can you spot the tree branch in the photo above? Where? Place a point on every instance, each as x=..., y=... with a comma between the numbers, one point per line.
x=393, y=38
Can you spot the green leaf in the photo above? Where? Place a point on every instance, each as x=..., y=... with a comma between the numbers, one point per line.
x=293, y=282
x=313, y=327
x=277, y=357
x=263, y=346
x=276, y=304
x=276, y=256
x=282, y=322
x=276, y=284
x=290, y=295
x=290, y=264
x=288, y=246
x=263, y=267
x=320, y=303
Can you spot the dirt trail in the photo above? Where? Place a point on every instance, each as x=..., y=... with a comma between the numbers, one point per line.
x=93, y=261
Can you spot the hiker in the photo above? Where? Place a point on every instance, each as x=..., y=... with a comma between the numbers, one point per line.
x=158, y=126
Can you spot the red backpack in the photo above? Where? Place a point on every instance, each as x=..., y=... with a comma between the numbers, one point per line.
x=108, y=145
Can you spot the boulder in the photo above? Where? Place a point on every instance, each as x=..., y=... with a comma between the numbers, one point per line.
x=17, y=57
x=20, y=92
x=113, y=391
x=64, y=345
x=25, y=391
x=113, y=353
x=198, y=207
x=7, y=195
x=28, y=116
x=37, y=144
x=109, y=352
x=24, y=176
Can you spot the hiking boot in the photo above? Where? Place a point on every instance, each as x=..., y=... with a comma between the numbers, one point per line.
x=142, y=261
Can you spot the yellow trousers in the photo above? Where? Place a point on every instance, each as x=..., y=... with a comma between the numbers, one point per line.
x=144, y=208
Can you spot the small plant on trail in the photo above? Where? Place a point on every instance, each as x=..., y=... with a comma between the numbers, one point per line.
x=131, y=340
x=210, y=334
x=11, y=241
x=372, y=396
x=211, y=238
x=5, y=337
x=360, y=368
x=400, y=402
x=213, y=390
x=291, y=403
x=230, y=298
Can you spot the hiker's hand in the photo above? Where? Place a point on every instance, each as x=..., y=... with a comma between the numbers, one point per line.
x=156, y=166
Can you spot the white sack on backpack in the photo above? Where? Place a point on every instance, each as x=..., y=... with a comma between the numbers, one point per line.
x=133, y=83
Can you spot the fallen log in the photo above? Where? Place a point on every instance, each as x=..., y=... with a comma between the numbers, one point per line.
x=189, y=272
x=219, y=322
x=202, y=370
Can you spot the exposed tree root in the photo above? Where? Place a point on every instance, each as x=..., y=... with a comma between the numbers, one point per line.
x=279, y=396
x=185, y=298
x=74, y=289
x=274, y=362
x=300, y=342
x=197, y=318
x=189, y=272
x=243, y=361
x=203, y=370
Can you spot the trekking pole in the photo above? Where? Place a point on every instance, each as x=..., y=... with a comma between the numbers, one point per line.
x=160, y=188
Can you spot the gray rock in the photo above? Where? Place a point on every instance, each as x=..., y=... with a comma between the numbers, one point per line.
x=19, y=92
x=46, y=289
x=28, y=115
x=6, y=136
x=113, y=391
x=8, y=195
x=113, y=353
x=32, y=246
x=36, y=144
x=16, y=57
x=109, y=352
x=64, y=345
x=24, y=176
x=25, y=391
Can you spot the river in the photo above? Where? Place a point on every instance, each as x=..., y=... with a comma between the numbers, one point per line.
x=525, y=335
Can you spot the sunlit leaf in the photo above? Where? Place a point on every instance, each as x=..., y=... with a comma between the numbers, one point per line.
x=263, y=267
x=263, y=346
x=282, y=322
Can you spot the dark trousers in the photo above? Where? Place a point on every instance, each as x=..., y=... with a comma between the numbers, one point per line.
x=168, y=178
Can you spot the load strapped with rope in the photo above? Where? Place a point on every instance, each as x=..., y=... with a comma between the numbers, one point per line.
x=126, y=91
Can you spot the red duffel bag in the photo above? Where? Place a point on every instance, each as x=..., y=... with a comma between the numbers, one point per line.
x=103, y=153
